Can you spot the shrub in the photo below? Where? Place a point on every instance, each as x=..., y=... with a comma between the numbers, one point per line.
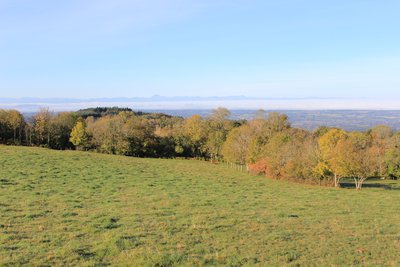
x=258, y=167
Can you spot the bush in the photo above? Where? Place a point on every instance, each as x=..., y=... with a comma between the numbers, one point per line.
x=258, y=168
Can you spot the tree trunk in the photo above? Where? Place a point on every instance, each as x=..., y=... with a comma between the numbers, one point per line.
x=337, y=180
x=20, y=134
x=356, y=182
x=359, y=182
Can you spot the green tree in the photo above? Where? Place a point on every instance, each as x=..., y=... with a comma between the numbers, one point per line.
x=61, y=126
x=5, y=127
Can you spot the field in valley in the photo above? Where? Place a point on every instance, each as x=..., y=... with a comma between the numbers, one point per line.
x=87, y=209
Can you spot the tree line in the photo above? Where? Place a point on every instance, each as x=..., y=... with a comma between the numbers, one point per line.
x=266, y=145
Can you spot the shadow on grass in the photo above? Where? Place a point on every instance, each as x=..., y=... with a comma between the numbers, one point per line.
x=6, y=182
x=376, y=184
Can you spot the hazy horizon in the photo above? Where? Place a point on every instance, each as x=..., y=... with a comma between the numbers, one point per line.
x=201, y=103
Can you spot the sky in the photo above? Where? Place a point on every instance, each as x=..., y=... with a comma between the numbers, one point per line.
x=140, y=48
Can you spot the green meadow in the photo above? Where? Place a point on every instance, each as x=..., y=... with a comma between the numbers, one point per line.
x=61, y=208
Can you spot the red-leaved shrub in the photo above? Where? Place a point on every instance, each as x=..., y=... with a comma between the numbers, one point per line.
x=258, y=168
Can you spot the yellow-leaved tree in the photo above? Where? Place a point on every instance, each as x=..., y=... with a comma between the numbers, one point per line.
x=79, y=136
x=16, y=121
x=328, y=146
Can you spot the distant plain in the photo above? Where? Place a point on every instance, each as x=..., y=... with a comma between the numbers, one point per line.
x=350, y=120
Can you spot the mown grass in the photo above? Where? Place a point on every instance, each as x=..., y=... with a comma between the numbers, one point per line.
x=87, y=209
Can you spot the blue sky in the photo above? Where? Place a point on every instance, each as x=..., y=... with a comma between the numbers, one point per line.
x=282, y=48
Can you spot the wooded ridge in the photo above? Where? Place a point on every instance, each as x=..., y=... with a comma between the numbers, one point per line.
x=266, y=145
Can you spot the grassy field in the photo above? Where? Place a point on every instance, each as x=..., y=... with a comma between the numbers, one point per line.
x=86, y=209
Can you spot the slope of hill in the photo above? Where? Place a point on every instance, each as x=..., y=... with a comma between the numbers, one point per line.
x=75, y=208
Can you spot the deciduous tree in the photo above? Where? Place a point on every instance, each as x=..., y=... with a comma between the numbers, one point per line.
x=16, y=121
x=330, y=153
x=79, y=136
x=236, y=147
